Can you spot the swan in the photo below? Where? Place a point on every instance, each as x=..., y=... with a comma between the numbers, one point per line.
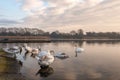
x=27, y=48
x=36, y=51
x=14, y=49
x=19, y=58
x=78, y=49
x=45, y=58
x=61, y=55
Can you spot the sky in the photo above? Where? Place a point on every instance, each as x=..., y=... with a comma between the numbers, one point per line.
x=62, y=15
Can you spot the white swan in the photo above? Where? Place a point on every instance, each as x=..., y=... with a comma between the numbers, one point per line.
x=45, y=58
x=35, y=51
x=61, y=55
x=78, y=49
x=27, y=48
x=14, y=49
x=19, y=57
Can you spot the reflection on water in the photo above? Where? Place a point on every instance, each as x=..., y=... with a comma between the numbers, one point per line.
x=10, y=69
x=45, y=72
x=99, y=61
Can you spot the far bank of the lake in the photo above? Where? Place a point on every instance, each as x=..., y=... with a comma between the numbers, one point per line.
x=29, y=39
x=53, y=40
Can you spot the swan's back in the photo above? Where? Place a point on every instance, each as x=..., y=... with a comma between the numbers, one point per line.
x=61, y=55
x=35, y=51
x=78, y=49
x=27, y=48
x=48, y=58
x=19, y=57
x=42, y=53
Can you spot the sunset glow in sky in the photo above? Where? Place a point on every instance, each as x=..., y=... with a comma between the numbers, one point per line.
x=63, y=15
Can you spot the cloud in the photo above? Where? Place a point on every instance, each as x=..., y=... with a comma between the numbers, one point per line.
x=55, y=10
x=93, y=2
x=31, y=5
x=1, y=15
x=57, y=14
x=6, y=21
x=48, y=7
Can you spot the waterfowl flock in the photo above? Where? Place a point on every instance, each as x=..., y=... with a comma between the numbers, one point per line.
x=44, y=58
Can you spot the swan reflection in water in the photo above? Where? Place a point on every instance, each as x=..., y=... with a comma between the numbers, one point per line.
x=45, y=72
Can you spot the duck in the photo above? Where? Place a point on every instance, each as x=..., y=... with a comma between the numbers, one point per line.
x=78, y=49
x=45, y=58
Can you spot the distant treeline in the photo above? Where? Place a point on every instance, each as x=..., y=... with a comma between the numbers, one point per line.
x=106, y=35
x=79, y=34
x=22, y=32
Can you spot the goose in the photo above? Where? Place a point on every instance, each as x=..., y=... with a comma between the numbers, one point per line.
x=45, y=58
x=78, y=49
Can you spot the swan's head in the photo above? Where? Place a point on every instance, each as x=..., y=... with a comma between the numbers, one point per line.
x=24, y=45
x=39, y=48
x=51, y=52
x=75, y=47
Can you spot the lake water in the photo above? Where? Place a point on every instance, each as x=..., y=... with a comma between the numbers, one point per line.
x=99, y=61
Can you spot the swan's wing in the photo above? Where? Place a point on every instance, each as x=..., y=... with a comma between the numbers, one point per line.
x=42, y=53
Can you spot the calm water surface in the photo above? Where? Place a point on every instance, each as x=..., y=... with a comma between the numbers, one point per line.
x=99, y=61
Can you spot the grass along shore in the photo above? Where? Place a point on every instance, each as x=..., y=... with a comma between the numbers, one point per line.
x=9, y=68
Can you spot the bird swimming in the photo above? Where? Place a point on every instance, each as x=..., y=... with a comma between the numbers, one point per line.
x=45, y=58
x=78, y=49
